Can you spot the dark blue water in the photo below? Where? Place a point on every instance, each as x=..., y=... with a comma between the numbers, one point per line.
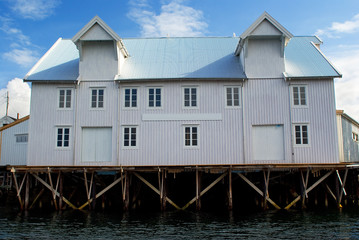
x=328, y=224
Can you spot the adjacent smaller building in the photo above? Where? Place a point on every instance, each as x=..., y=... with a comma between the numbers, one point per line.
x=348, y=131
x=13, y=142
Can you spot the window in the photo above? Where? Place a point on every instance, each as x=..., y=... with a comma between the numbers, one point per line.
x=21, y=138
x=301, y=134
x=355, y=137
x=63, y=137
x=191, y=136
x=190, y=96
x=154, y=97
x=97, y=98
x=130, y=97
x=65, y=98
x=299, y=95
x=232, y=96
x=129, y=137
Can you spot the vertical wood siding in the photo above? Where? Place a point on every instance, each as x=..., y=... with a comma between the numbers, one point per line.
x=13, y=153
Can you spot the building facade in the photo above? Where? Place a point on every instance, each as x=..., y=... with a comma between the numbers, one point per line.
x=265, y=97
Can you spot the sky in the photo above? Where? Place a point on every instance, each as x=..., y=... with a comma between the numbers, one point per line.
x=28, y=28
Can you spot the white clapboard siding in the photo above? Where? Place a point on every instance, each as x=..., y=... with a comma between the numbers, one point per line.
x=161, y=142
x=321, y=119
x=12, y=152
x=45, y=118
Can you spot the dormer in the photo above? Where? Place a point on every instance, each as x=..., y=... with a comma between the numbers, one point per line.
x=261, y=48
x=101, y=50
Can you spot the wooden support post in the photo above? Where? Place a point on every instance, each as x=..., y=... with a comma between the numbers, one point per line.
x=198, y=190
x=163, y=190
x=126, y=193
x=36, y=198
x=230, y=199
x=88, y=188
x=27, y=192
x=309, y=189
x=61, y=189
x=52, y=189
x=258, y=190
x=303, y=185
x=18, y=190
x=266, y=185
x=342, y=189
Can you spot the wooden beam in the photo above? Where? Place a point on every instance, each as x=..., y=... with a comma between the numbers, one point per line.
x=342, y=189
x=102, y=192
x=309, y=189
x=51, y=189
x=37, y=197
x=266, y=186
x=205, y=190
x=17, y=189
x=27, y=192
x=331, y=192
x=155, y=189
x=258, y=190
x=230, y=196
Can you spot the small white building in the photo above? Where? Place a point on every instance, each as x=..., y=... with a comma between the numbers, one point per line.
x=348, y=132
x=266, y=97
x=13, y=142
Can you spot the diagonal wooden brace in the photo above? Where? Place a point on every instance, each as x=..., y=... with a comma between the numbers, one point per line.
x=309, y=189
x=258, y=190
x=155, y=190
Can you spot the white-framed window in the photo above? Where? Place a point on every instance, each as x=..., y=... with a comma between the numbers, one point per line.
x=154, y=97
x=301, y=134
x=130, y=95
x=21, y=138
x=97, y=97
x=65, y=98
x=191, y=136
x=130, y=137
x=233, y=96
x=355, y=137
x=299, y=96
x=63, y=137
x=190, y=97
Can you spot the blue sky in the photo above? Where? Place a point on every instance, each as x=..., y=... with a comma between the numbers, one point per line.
x=28, y=28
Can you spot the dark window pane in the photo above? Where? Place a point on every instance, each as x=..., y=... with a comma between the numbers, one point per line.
x=295, y=96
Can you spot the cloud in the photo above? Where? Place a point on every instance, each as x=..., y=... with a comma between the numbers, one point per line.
x=337, y=28
x=19, y=98
x=24, y=57
x=13, y=33
x=347, y=88
x=34, y=9
x=174, y=20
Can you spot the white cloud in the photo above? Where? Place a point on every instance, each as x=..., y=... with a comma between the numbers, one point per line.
x=347, y=88
x=19, y=98
x=24, y=57
x=174, y=20
x=350, y=26
x=34, y=9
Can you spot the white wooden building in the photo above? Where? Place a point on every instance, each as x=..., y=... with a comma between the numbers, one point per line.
x=348, y=132
x=13, y=142
x=266, y=97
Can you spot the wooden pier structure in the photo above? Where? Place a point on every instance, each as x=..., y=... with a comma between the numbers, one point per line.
x=211, y=187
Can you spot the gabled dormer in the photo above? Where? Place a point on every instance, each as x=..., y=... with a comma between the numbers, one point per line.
x=261, y=48
x=101, y=50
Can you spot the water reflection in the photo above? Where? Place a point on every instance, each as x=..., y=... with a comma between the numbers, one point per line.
x=329, y=224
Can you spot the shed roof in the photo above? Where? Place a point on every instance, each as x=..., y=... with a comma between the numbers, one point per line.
x=182, y=58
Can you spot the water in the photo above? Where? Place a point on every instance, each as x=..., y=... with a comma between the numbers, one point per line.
x=328, y=224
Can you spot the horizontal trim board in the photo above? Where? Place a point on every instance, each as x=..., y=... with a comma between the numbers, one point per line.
x=182, y=117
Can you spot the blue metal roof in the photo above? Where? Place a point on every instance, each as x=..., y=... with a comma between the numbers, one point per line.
x=60, y=63
x=303, y=59
x=182, y=58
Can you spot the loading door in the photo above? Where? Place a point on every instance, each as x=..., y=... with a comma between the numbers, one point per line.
x=268, y=142
x=96, y=144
